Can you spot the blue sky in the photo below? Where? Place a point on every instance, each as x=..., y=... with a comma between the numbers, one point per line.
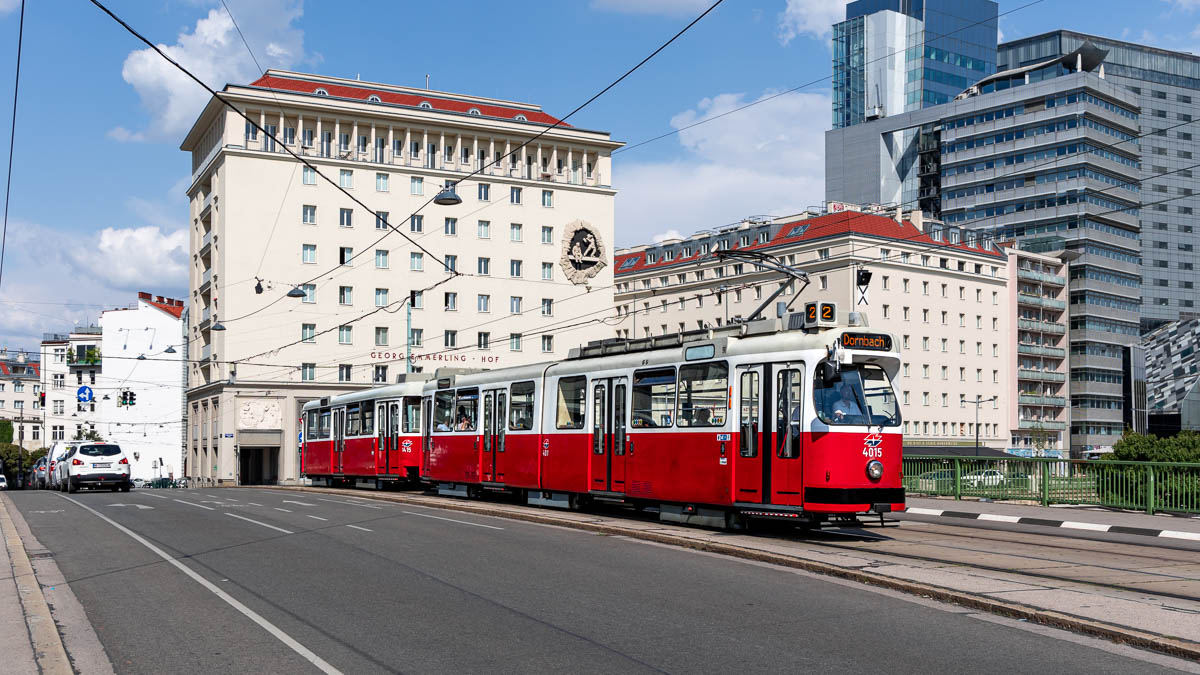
x=98, y=212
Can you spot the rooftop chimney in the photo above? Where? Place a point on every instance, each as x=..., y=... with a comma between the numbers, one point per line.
x=143, y=296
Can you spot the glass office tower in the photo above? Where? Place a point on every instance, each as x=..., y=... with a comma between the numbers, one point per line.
x=890, y=56
x=1167, y=85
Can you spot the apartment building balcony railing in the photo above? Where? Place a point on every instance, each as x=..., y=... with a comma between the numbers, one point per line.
x=1046, y=425
x=1030, y=275
x=1039, y=350
x=1035, y=399
x=91, y=357
x=206, y=243
x=1040, y=301
x=205, y=353
x=1040, y=375
x=1041, y=326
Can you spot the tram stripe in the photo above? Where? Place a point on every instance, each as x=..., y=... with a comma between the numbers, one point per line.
x=1063, y=524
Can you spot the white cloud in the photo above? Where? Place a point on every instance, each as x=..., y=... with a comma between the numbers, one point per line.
x=769, y=159
x=7, y=6
x=215, y=54
x=669, y=234
x=1185, y=5
x=814, y=18
x=135, y=258
x=666, y=7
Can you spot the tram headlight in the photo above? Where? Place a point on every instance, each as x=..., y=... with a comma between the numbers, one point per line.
x=875, y=469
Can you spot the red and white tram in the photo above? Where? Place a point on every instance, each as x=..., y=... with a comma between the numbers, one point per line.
x=366, y=438
x=709, y=427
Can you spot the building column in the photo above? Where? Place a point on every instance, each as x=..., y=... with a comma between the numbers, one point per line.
x=442, y=149
x=318, y=141
x=554, y=161
x=371, y=149
x=391, y=145
x=336, y=150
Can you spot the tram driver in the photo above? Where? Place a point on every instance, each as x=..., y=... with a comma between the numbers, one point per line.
x=846, y=409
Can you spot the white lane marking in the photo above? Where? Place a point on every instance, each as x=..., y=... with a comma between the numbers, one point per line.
x=271, y=628
x=213, y=496
x=318, y=518
x=230, y=499
x=999, y=518
x=253, y=504
x=257, y=522
x=360, y=528
x=1176, y=534
x=288, y=501
x=1074, y=525
x=464, y=522
x=199, y=506
x=923, y=512
x=338, y=501
x=143, y=493
x=284, y=510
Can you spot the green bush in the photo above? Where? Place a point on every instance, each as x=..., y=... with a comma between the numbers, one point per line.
x=1134, y=447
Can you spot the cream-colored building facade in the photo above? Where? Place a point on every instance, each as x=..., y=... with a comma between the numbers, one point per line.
x=942, y=294
x=532, y=240
x=20, y=387
x=71, y=361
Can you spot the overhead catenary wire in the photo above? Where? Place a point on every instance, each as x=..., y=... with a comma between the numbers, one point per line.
x=12, y=139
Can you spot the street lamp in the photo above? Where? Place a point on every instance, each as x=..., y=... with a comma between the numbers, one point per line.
x=295, y=292
x=979, y=400
x=447, y=197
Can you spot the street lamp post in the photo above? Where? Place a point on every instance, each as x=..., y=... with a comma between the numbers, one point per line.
x=979, y=400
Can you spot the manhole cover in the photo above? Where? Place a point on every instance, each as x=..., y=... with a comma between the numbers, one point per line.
x=35, y=555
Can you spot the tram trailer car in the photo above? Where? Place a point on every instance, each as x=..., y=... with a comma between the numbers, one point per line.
x=368, y=438
x=710, y=428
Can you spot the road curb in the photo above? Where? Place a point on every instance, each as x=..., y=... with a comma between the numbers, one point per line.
x=1065, y=524
x=48, y=650
x=1120, y=634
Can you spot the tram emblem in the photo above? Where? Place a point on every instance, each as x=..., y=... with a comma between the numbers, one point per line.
x=871, y=442
x=407, y=445
x=583, y=252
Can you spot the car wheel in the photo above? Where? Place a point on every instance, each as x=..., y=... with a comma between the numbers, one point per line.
x=72, y=486
x=125, y=487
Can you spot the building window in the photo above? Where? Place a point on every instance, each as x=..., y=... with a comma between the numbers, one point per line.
x=308, y=332
x=451, y=263
x=416, y=261
x=514, y=342
x=417, y=337
x=514, y=268
x=450, y=303
x=345, y=335
x=547, y=234
x=483, y=340
x=310, y=292
x=483, y=229
x=346, y=217
x=308, y=214
x=308, y=372
x=381, y=297
x=417, y=298
x=450, y=338
x=345, y=255
x=345, y=295
x=483, y=266
x=343, y=372
x=485, y=192
x=381, y=259
x=380, y=375
x=514, y=195
x=416, y=223
x=309, y=176
x=547, y=343
x=514, y=232
x=346, y=178
x=381, y=336
x=381, y=220
x=416, y=185
x=547, y=271
x=548, y=198
x=823, y=254
x=548, y=306
x=483, y=303
x=308, y=254
x=451, y=227
x=514, y=304
x=381, y=182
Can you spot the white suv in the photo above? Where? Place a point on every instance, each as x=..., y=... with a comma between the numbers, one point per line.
x=96, y=465
x=54, y=459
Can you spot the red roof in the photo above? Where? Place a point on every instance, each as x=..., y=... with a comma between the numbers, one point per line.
x=168, y=305
x=6, y=368
x=821, y=227
x=397, y=98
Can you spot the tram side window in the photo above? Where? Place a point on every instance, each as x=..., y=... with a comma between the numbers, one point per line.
x=653, y=398
x=572, y=395
x=443, y=411
x=856, y=394
x=703, y=394
x=368, y=418
x=326, y=423
x=310, y=430
x=412, y=415
x=466, y=412
x=352, y=420
x=520, y=412
x=750, y=428
x=788, y=392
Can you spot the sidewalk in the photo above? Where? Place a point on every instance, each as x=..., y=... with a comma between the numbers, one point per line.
x=30, y=641
x=1077, y=517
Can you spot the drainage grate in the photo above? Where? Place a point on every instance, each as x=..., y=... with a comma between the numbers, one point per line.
x=39, y=555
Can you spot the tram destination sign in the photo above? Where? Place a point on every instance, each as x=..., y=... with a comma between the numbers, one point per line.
x=880, y=342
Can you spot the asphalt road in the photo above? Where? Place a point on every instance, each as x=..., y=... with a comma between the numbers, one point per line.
x=378, y=587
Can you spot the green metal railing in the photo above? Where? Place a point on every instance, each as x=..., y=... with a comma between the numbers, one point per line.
x=1144, y=486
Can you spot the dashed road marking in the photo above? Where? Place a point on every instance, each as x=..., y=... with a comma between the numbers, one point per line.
x=318, y=518
x=338, y=501
x=199, y=506
x=464, y=522
x=360, y=528
x=284, y=510
x=258, y=522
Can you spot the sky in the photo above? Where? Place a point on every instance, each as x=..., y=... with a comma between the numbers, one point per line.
x=98, y=210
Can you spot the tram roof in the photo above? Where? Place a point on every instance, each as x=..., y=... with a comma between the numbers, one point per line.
x=410, y=387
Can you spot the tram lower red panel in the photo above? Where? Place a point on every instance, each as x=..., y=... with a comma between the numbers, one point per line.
x=455, y=459
x=680, y=467
x=518, y=464
x=358, y=456
x=565, y=460
x=317, y=458
x=835, y=472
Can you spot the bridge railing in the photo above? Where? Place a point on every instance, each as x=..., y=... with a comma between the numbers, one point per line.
x=1144, y=486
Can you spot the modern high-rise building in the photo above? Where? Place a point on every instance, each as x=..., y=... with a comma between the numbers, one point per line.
x=1166, y=86
x=890, y=56
x=531, y=240
x=1046, y=155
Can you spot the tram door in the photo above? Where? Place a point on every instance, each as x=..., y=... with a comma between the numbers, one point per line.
x=752, y=467
x=495, y=412
x=787, y=445
x=384, y=437
x=608, y=434
x=426, y=433
x=339, y=438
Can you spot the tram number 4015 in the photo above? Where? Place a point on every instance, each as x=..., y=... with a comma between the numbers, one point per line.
x=871, y=443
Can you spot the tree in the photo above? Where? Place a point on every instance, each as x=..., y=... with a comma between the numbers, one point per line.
x=9, y=454
x=6, y=431
x=1135, y=447
x=89, y=435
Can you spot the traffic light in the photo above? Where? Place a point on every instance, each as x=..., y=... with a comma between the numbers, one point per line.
x=132, y=398
x=124, y=400
x=42, y=400
x=863, y=277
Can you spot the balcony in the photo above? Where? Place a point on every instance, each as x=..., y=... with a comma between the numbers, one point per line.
x=1038, y=350
x=206, y=244
x=205, y=354
x=206, y=207
x=1041, y=326
x=206, y=281
x=1042, y=425
x=1041, y=277
x=1040, y=301
x=1034, y=399
x=1041, y=375
x=205, y=319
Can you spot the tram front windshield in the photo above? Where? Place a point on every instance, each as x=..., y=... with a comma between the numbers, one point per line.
x=855, y=395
